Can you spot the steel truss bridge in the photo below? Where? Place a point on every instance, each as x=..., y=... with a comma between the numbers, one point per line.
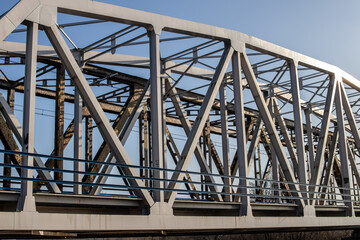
x=147, y=123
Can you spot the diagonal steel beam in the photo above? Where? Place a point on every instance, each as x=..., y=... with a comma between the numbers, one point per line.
x=343, y=149
x=199, y=123
x=125, y=132
x=324, y=132
x=350, y=116
x=298, y=124
x=285, y=133
x=353, y=165
x=176, y=155
x=9, y=142
x=16, y=16
x=95, y=109
x=17, y=129
x=187, y=128
x=225, y=139
x=330, y=163
x=309, y=133
x=119, y=123
x=271, y=129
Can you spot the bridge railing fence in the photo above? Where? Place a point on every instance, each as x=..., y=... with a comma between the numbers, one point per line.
x=259, y=190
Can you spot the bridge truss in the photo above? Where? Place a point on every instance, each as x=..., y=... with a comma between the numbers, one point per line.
x=147, y=123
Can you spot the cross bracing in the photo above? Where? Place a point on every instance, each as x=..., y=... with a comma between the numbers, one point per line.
x=173, y=119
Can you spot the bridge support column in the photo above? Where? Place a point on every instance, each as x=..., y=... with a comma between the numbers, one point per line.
x=245, y=209
x=77, y=140
x=156, y=113
x=26, y=200
x=299, y=131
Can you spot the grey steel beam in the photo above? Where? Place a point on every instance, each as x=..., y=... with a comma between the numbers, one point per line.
x=77, y=141
x=283, y=130
x=199, y=123
x=319, y=157
x=273, y=155
x=59, y=123
x=16, y=15
x=343, y=152
x=245, y=208
x=225, y=139
x=186, y=124
x=94, y=108
x=15, y=126
x=271, y=129
x=124, y=134
x=118, y=125
x=310, y=140
x=299, y=131
x=26, y=200
x=156, y=113
x=350, y=116
x=354, y=168
x=330, y=163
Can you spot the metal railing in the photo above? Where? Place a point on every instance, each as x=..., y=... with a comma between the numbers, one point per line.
x=269, y=190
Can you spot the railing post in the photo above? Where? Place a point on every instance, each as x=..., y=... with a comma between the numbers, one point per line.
x=26, y=200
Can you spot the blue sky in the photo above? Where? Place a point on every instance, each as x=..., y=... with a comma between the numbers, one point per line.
x=324, y=29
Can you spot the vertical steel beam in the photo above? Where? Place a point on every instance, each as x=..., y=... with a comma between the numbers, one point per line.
x=88, y=140
x=310, y=140
x=77, y=140
x=298, y=124
x=225, y=139
x=156, y=113
x=199, y=123
x=245, y=208
x=164, y=127
x=26, y=200
x=271, y=129
x=343, y=152
x=95, y=109
x=274, y=159
x=59, y=122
